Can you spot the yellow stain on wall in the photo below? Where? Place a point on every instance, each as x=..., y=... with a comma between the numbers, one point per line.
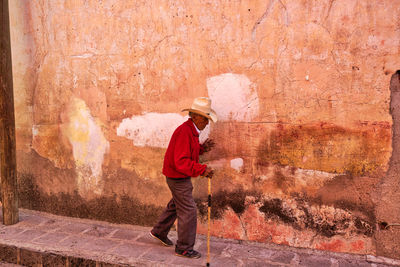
x=362, y=150
x=89, y=146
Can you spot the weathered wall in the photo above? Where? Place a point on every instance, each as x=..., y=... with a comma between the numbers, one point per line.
x=302, y=90
x=387, y=197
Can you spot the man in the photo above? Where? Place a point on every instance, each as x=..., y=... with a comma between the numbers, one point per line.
x=181, y=162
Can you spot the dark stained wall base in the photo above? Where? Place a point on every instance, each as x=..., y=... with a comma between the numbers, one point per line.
x=299, y=215
x=122, y=209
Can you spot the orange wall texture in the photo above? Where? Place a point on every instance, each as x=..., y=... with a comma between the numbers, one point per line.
x=302, y=90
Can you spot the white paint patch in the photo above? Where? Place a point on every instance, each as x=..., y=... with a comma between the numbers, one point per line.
x=154, y=129
x=234, y=97
x=303, y=177
x=237, y=164
x=85, y=55
x=310, y=177
x=89, y=146
x=35, y=130
x=373, y=40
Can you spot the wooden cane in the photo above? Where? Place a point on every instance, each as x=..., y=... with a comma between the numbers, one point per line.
x=209, y=222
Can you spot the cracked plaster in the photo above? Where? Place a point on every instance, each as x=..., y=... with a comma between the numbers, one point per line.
x=313, y=77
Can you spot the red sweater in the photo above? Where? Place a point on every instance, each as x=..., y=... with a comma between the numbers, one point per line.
x=182, y=156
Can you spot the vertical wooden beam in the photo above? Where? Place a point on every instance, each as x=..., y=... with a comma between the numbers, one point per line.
x=9, y=192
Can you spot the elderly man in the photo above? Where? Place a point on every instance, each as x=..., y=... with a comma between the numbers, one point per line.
x=181, y=162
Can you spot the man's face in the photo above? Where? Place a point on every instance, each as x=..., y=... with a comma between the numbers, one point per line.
x=200, y=121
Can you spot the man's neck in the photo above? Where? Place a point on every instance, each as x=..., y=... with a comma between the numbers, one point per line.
x=197, y=129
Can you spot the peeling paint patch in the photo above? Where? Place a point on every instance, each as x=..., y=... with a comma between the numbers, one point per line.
x=150, y=129
x=153, y=129
x=89, y=146
x=325, y=220
x=234, y=97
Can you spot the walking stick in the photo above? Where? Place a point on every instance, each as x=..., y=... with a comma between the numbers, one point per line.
x=209, y=222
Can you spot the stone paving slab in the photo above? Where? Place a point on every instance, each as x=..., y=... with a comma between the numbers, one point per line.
x=42, y=239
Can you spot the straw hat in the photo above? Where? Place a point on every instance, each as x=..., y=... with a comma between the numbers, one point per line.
x=202, y=106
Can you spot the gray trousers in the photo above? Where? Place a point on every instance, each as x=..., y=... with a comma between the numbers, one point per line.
x=183, y=207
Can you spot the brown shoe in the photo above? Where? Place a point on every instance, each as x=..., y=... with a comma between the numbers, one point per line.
x=164, y=240
x=192, y=254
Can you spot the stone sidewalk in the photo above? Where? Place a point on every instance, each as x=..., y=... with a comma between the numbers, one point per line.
x=42, y=239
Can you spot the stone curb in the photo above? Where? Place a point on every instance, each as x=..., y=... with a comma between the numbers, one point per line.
x=42, y=239
x=382, y=260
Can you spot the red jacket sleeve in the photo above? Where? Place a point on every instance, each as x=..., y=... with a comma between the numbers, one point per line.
x=182, y=156
x=201, y=149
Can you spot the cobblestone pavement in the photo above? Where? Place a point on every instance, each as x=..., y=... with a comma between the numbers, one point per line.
x=44, y=239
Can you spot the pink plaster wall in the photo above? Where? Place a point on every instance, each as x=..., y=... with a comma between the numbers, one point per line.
x=302, y=89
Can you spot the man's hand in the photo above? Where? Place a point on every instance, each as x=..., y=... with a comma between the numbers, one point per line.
x=208, y=172
x=208, y=145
